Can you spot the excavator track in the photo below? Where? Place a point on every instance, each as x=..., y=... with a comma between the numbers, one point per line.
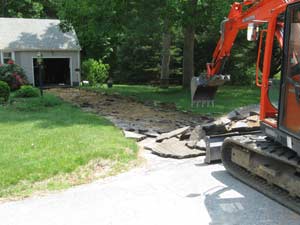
x=266, y=166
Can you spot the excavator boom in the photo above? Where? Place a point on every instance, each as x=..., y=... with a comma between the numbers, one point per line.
x=242, y=15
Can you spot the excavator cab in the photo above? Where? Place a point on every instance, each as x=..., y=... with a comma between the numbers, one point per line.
x=289, y=110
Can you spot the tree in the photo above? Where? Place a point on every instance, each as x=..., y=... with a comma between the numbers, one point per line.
x=3, y=7
x=144, y=40
x=28, y=8
x=168, y=10
x=166, y=55
x=108, y=29
x=189, y=41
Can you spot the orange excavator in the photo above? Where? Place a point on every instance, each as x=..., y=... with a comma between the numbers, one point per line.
x=269, y=161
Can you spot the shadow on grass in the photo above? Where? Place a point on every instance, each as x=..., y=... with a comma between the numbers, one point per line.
x=48, y=113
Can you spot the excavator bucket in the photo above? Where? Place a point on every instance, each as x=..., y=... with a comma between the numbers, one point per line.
x=203, y=91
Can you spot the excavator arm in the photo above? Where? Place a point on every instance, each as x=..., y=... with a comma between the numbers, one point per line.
x=247, y=14
x=239, y=18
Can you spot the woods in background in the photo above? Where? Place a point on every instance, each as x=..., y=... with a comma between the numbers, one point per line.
x=142, y=41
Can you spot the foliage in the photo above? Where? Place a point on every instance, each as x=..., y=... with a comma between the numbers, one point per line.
x=4, y=91
x=28, y=8
x=27, y=91
x=127, y=35
x=242, y=69
x=181, y=98
x=13, y=74
x=54, y=141
x=243, y=75
x=96, y=72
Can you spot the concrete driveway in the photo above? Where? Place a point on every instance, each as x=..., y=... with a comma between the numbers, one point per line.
x=162, y=192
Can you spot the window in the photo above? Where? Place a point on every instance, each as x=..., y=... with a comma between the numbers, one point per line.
x=290, y=105
x=7, y=56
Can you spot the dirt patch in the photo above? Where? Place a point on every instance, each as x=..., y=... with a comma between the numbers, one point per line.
x=129, y=114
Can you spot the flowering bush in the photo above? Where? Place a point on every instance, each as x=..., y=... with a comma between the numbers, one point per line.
x=13, y=75
x=10, y=62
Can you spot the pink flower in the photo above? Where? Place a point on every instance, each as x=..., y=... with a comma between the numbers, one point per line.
x=10, y=62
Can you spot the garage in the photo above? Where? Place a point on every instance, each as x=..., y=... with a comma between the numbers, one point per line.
x=56, y=72
x=22, y=40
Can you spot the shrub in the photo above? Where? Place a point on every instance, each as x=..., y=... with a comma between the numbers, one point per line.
x=13, y=75
x=96, y=72
x=4, y=91
x=27, y=91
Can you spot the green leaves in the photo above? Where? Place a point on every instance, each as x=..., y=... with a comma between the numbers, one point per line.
x=96, y=72
x=127, y=35
x=28, y=8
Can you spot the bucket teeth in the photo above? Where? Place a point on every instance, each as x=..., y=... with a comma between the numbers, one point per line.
x=204, y=103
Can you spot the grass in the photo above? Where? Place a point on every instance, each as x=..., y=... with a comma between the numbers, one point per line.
x=46, y=139
x=227, y=99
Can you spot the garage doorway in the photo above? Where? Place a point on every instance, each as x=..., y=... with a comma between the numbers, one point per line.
x=56, y=72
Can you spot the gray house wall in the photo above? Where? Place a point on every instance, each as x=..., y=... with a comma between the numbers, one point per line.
x=25, y=60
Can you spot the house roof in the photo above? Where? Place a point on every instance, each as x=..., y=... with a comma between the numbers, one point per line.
x=19, y=34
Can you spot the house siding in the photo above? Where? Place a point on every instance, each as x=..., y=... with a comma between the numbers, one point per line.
x=25, y=60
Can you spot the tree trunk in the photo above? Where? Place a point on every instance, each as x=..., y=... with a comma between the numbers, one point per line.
x=3, y=8
x=188, y=56
x=165, y=62
x=188, y=48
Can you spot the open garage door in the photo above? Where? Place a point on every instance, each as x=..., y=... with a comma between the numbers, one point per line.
x=56, y=72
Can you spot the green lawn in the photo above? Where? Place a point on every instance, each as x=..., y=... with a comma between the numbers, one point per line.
x=41, y=139
x=227, y=99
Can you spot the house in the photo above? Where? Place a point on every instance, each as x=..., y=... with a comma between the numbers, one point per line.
x=21, y=40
